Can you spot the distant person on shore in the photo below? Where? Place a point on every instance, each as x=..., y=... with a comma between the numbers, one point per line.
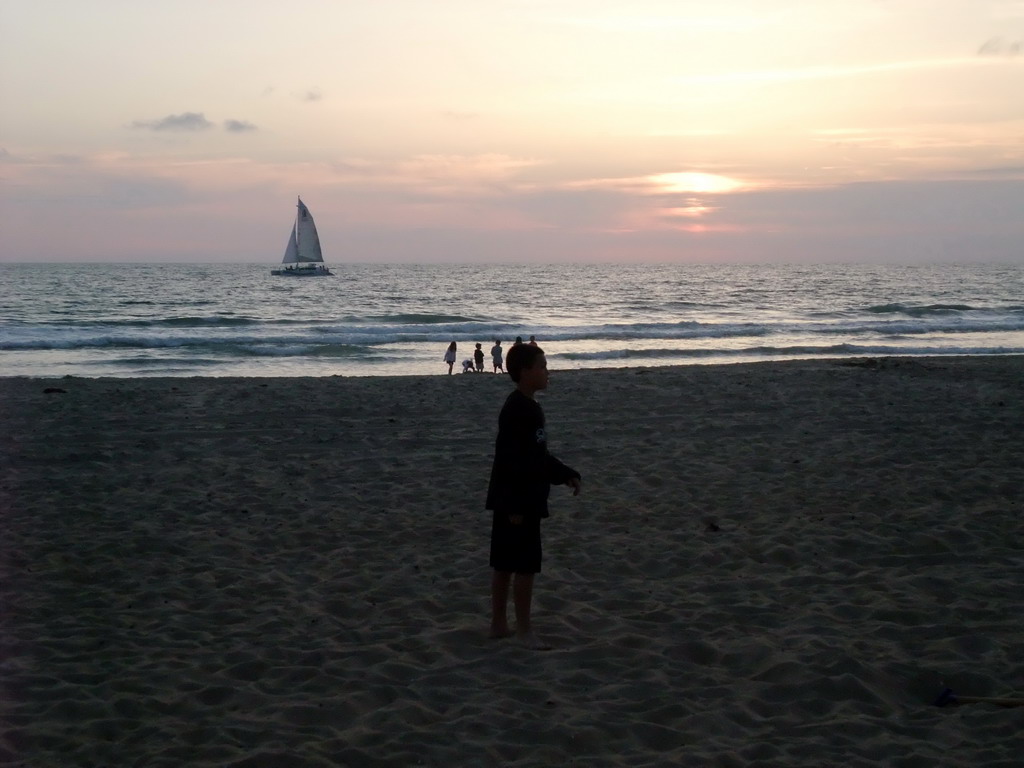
x=533, y=341
x=518, y=341
x=467, y=366
x=521, y=479
x=497, y=356
x=449, y=356
x=478, y=357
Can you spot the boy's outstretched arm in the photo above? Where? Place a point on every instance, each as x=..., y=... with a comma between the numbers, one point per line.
x=557, y=472
x=561, y=474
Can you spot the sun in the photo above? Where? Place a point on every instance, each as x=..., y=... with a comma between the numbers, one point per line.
x=694, y=182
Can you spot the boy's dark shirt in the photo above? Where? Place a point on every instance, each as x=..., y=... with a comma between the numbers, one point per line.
x=523, y=470
x=478, y=355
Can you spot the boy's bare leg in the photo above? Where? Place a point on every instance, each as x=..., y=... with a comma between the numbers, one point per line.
x=522, y=596
x=500, y=581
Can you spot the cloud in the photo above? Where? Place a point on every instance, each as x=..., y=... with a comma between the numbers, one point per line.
x=313, y=94
x=822, y=72
x=487, y=166
x=239, y=126
x=675, y=182
x=127, y=207
x=85, y=185
x=1008, y=172
x=49, y=160
x=693, y=209
x=452, y=114
x=186, y=121
x=1008, y=9
x=128, y=193
x=436, y=176
x=690, y=132
x=998, y=46
x=662, y=23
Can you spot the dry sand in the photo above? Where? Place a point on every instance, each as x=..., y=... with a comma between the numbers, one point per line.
x=770, y=564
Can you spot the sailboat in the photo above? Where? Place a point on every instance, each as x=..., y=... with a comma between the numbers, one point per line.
x=302, y=257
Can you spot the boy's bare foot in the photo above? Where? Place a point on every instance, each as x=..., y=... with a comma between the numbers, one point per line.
x=531, y=641
x=498, y=633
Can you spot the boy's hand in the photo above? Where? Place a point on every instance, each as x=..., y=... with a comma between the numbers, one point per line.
x=574, y=483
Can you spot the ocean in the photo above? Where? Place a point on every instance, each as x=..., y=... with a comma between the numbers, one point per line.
x=237, y=320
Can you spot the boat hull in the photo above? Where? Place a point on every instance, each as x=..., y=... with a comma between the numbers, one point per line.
x=325, y=272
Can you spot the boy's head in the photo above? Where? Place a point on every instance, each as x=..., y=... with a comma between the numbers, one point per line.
x=523, y=357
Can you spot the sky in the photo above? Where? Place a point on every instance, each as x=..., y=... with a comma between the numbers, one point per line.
x=739, y=131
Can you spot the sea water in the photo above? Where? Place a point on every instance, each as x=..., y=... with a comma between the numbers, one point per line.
x=238, y=320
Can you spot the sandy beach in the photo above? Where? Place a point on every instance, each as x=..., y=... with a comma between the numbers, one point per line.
x=777, y=564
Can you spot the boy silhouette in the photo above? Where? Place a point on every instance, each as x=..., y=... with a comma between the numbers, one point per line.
x=521, y=479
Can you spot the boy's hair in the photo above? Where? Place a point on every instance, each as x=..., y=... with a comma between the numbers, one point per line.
x=519, y=357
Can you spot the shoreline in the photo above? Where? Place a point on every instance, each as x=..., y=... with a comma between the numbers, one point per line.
x=771, y=563
x=852, y=359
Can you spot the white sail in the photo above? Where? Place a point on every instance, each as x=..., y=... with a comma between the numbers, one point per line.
x=303, y=256
x=291, y=253
x=304, y=244
x=306, y=237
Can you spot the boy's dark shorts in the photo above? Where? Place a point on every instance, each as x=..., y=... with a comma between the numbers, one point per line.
x=515, y=548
